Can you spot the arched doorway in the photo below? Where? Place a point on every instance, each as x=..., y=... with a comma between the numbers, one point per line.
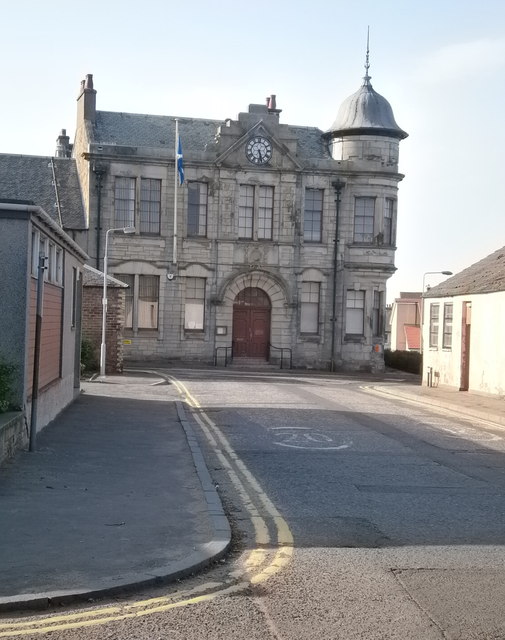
x=251, y=324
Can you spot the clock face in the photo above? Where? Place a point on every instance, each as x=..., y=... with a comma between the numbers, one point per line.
x=258, y=150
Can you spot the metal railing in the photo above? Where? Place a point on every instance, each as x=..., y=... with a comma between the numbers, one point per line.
x=282, y=350
x=228, y=355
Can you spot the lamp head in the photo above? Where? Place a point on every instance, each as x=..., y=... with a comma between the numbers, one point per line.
x=128, y=230
x=447, y=273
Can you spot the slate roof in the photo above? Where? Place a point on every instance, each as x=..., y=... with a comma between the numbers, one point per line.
x=92, y=277
x=485, y=276
x=30, y=178
x=144, y=130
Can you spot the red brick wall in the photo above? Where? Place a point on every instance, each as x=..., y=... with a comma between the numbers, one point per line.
x=50, y=339
x=92, y=324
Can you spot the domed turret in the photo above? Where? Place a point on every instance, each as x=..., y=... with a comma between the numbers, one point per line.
x=366, y=113
x=365, y=128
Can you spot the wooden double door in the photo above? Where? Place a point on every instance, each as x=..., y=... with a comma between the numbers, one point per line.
x=251, y=324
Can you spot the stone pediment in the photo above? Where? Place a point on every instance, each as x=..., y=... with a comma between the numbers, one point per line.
x=235, y=155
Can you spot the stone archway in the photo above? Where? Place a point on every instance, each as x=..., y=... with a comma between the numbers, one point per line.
x=251, y=324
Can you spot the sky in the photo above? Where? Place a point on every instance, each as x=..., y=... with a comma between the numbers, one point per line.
x=440, y=64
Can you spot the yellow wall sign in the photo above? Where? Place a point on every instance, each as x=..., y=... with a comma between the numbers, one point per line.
x=127, y=341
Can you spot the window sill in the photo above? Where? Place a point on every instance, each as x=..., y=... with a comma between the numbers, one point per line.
x=194, y=335
x=310, y=337
x=140, y=333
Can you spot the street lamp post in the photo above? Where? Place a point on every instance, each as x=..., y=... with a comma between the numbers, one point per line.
x=338, y=185
x=429, y=273
x=103, y=347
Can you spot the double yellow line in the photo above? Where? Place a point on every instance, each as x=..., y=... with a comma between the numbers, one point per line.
x=247, y=486
x=260, y=564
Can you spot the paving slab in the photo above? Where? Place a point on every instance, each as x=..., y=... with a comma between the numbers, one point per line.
x=116, y=495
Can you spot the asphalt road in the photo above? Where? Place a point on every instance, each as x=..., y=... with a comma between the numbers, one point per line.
x=355, y=516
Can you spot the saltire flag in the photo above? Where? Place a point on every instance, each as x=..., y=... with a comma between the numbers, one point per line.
x=180, y=166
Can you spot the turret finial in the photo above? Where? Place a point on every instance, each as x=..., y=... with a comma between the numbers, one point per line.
x=367, y=59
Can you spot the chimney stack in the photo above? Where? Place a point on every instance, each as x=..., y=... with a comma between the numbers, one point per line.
x=86, y=102
x=63, y=146
x=272, y=105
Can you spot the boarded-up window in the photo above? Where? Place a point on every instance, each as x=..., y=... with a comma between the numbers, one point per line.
x=355, y=312
x=309, y=312
x=148, y=302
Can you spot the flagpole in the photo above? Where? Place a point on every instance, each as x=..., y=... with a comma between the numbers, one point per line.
x=174, y=253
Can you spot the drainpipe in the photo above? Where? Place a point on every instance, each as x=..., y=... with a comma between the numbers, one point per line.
x=99, y=171
x=36, y=352
x=338, y=185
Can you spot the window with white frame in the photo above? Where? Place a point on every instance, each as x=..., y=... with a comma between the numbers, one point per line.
x=434, y=323
x=355, y=312
x=389, y=221
x=194, y=306
x=447, y=327
x=246, y=211
x=59, y=265
x=265, y=212
x=124, y=202
x=44, y=251
x=51, y=263
x=364, y=219
x=150, y=206
x=35, y=252
x=377, y=328
x=313, y=215
x=197, y=209
x=309, y=308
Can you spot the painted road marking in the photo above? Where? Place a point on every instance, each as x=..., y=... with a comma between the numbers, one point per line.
x=306, y=438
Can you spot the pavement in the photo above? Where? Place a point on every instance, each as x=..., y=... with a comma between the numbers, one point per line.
x=117, y=494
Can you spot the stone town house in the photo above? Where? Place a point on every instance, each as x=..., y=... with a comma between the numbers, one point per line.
x=251, y=262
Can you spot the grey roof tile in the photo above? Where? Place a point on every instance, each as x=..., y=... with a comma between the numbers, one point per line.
x=94, y=278
x=31, y=178
x=485, y=276
x=143, y=130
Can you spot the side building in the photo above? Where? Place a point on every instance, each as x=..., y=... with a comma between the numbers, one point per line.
x=28, y=232
x=280, y=238
x=464, y=344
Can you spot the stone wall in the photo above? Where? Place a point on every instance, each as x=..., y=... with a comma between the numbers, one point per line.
x=13, y=435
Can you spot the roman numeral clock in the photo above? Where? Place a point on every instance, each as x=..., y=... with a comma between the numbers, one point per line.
x=258, y=150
